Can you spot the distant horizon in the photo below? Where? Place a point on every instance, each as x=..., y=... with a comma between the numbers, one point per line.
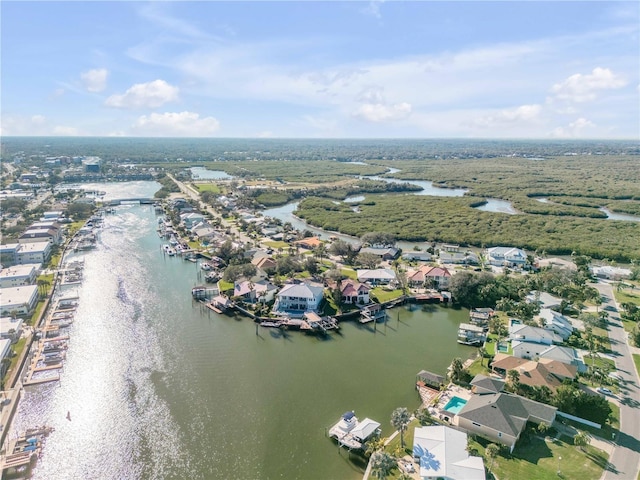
x=314, y=69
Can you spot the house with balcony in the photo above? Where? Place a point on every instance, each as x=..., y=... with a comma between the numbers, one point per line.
x=510, y=257
x=294, y=299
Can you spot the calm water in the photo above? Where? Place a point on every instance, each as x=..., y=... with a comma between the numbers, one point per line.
x=159, y=389
x=498, y=206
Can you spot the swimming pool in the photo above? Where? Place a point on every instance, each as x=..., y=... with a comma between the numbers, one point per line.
x=455, y=405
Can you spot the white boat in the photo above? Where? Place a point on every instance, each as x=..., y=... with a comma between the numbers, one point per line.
x=351, y=433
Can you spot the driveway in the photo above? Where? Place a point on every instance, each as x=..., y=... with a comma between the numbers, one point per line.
x=625, y=459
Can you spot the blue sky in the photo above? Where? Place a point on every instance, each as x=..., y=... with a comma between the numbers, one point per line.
x=392, y=69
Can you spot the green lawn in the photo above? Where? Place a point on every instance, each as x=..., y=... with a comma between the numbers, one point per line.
x=382, y=295
x=539, y=460
x=627, y=295
x=225, y=286
x=394, y=445
x=276, y=244
x=636, y=360
x=603, y=338
x=490, y=346
x=475, y=368
x=349, y=273
x=207, y=187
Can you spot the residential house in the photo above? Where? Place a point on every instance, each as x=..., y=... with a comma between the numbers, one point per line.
x=544, y=372
x=556, y=322
x=544, y=300
x=481, y=316
x=252, y=292
x=502, y=417
x=555, y=263
x=526, y=333
x=385, y=253
x=204, y=232
x=264, y=262
x=21, y=300
x=52, y=215
x=568, y=355
x=482, y=385
x=469, y=334
x=191, y=218
x=379, y=276
x=458, y=258
x=611, y=273
x=354, y=292
x=429, y=277
x=309, y=243
x=296, y=298
x=419, y=256
x=442, y=453
x=19, y=275
x=506, y=257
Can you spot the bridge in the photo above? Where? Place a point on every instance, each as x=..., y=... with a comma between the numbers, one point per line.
x=120, y=201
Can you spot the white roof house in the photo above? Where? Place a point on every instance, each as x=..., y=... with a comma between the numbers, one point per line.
x=544, y=300
x=296, y=298
x=364, y=429
x=611, y=273
x=506, y=256
x=8, y=324
x=5, y=347
x=525, y=333
x=377, y=276
x=556, y=322
x=32, y=252
x=442, y=453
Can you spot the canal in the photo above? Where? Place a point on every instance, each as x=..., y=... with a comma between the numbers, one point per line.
x=158, y=388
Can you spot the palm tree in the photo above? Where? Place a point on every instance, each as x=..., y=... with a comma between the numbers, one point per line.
x=400, y=421
x=373, y=445
x=382, y=464
x=491, y=452
x=456, y=369
x=514, y=379
x=581, y=439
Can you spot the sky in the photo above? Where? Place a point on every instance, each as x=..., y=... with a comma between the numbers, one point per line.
x=333, y=69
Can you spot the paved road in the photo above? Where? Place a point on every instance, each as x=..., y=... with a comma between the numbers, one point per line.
x=625, y=459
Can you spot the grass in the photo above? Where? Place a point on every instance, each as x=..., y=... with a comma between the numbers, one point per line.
x=276, y=244
x=349, y=273
x=394, y=445
x=539, y=459
x=18, y=347
x=382, y=295
x=225, y=286
x=475, y=368
x=490, y=346
x=207, y=187
x=636, y=360
x=194, y=245
x=603, y=338
x=627, y=295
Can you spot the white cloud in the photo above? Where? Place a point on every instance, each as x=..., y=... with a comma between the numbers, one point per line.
x=38, y=119
x=65, y=131
x=518, y=115
x=380, y=112
x=373, y=9
x=144, y=95
x=582, y=88
x=95, y=80
x=182, y=124
x=574, y=129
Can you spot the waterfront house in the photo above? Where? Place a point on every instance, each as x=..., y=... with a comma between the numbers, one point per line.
x=379, y=276
x=354, y=292
x=21, y=300
x=502, y=417
x=544, y=372
x=51, y=235
x=19, y=275
x=190, y=219
x=442, y=453
x=556, y=322
x=250, y=292
x=429, y=277
x=482, y=385
x=568, y=355
x=296, y=298
x=385, y=253
x=526, y=333
x=31, y=252
x=481, y=316
x=469, y=334
x=506, y=257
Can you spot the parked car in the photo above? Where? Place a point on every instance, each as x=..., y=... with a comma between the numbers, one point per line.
x=604, y=391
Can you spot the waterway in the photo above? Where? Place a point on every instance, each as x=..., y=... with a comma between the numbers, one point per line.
x=158, y=388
